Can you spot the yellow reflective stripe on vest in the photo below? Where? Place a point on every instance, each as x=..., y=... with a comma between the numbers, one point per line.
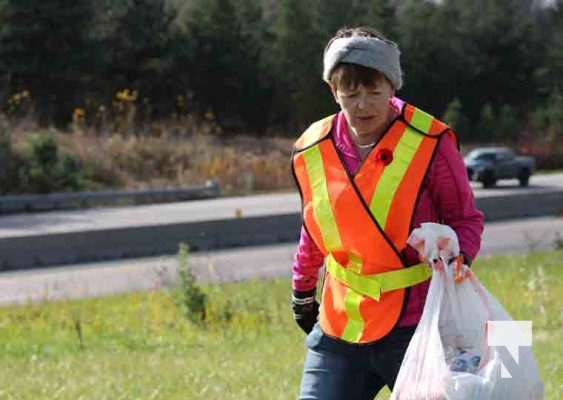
x=421, y=120
x=331, y=236
x=373, y=285
x=320, y=198
x=355, y=263
x=394, y=173
x=355, y=324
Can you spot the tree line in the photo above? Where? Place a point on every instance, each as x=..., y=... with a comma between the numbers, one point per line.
x=493, y=69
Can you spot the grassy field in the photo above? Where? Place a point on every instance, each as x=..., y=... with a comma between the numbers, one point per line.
x=140, y=346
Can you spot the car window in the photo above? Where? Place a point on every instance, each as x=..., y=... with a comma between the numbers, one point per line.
x=502, y=156
x=482, y=156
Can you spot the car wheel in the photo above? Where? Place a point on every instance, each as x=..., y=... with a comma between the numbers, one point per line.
x=489, y=179
x=524, y=177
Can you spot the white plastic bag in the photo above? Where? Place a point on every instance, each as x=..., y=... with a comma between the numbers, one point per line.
x=448, y=356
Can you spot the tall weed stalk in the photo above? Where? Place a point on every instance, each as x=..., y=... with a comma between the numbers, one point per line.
x=190, y=298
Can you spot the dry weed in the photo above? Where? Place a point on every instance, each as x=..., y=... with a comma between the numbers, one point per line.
x=170, y=157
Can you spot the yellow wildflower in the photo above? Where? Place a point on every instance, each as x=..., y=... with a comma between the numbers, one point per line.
x=209, y=116
x=126, y=95
x=78, y=114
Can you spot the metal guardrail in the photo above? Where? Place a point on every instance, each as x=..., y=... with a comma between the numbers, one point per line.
x=39, y=249
x=64, y=201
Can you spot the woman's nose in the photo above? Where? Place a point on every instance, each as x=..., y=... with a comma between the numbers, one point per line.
x=361, y=102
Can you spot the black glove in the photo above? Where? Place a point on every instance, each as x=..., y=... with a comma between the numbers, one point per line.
x=305, y=309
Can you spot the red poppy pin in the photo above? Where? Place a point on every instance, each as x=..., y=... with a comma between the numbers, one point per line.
x=384, y=156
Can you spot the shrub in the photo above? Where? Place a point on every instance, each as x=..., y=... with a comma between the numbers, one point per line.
x=46, y=170
x=189, y=298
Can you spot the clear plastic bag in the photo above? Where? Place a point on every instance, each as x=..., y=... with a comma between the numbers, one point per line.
x=448, y=356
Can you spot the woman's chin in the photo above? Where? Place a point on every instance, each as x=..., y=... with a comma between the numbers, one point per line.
x=366, y=133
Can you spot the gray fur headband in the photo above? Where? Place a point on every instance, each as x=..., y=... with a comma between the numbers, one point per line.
x=368, y=52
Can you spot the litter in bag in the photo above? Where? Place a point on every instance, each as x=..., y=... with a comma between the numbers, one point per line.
x=448, y=357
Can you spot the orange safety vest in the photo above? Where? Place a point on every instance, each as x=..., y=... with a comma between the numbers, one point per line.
x=361, y=223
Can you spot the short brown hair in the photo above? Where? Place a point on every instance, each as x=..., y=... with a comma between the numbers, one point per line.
x=348, y=75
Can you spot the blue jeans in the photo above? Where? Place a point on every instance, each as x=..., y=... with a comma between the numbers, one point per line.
x=336, y=370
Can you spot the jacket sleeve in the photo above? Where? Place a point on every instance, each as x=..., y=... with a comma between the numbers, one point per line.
x=453, y=198
x=307, y=262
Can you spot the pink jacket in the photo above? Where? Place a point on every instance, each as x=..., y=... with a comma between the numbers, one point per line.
x=446, y=197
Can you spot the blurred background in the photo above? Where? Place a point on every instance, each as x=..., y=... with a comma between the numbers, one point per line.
x=135, y=94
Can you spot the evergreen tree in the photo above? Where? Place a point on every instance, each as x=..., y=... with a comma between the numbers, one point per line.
x=548, y=119
x=377, y=14
x=138, y=44
x=509, y=124
x=452, y=65
x=49, y=50
x=487, y=124
x=256, y=79
x=297, y=61
x=454, y=117
x=223, y=56
x=421, y=55
x=503, y=52
x=553, y=39
x=329, y=15
x=548, y=27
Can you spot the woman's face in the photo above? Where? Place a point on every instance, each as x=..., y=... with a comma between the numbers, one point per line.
x=366, y=109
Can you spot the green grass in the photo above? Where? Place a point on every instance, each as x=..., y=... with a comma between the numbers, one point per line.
x=139, y=346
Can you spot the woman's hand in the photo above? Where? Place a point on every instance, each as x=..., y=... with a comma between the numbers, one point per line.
x=305, y=309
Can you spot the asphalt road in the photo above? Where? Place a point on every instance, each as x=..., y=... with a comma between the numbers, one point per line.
x=506, y=187
x=98, y=279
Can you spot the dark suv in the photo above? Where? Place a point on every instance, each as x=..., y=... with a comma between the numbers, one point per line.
x=489, y=164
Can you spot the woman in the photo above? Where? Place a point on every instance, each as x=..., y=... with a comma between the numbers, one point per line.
x=368, y=176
